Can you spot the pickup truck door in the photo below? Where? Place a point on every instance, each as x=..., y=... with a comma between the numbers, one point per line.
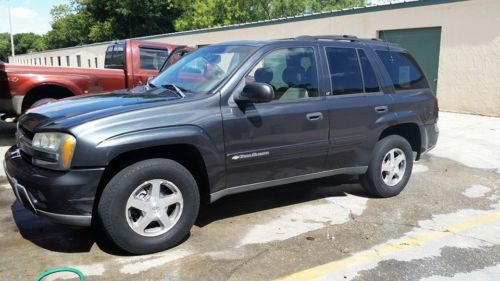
x=358, y=107
x=286, y=137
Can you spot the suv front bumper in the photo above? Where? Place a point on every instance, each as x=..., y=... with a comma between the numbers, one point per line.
x=65, y=197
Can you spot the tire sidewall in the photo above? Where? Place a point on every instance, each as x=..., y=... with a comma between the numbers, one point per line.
x=115, y=195
x=374, y=170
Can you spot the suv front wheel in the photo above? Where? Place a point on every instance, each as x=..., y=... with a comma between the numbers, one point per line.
x=149, y=206
x=390, y=168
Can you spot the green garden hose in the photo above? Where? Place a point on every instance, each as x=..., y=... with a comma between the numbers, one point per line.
x=60, y=269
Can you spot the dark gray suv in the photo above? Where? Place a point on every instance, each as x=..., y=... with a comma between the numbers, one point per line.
x=224, y=119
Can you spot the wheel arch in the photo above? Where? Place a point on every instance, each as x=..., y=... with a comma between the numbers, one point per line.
x=187, y=155
x=45, y=90
x=409, y=131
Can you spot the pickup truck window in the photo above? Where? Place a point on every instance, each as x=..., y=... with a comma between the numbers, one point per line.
x=404, y=71
x=114, y=57
x=345, y=72
x=291, y=72
x=204, y=69
x=152, y=59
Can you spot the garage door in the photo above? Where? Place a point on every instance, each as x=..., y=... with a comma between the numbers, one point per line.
x=423, y=44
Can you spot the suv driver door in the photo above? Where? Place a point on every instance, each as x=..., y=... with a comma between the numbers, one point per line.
x=286, y=137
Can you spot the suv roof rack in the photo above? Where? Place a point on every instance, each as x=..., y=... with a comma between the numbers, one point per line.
x=351, y=38
x=329, y=37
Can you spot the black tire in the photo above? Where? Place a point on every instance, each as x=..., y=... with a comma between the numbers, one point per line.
x=42, y=102
x=373, y=181
x=112, y=205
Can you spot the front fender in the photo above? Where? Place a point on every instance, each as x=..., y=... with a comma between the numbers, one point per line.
x=107, y=150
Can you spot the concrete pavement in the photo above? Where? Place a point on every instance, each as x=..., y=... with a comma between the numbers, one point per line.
x=444, y=226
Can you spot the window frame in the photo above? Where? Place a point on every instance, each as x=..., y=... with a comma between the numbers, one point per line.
x=154, y=49
x=356, y=48
x=317, y=61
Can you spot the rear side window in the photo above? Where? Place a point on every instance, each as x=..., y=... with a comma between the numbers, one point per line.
x=369, y=78
x=404, y=70
x=345, y=72
x=152, y=59
x=114, y=57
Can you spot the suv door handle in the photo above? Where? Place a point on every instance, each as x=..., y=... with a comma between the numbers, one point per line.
x=315, y=116
x=381, y=109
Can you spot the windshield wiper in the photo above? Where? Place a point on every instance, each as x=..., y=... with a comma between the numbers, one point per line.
x=177, y=89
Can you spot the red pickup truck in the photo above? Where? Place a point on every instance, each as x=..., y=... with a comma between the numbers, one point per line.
x=128, y=63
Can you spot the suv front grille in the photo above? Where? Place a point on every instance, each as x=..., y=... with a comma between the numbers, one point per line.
x=23, y=141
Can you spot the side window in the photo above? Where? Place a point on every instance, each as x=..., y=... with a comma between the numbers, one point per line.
x=369, y=78
x=404, y=70
x=291, y=72
x=152, y=59
x=345, y=72
x=114, y=57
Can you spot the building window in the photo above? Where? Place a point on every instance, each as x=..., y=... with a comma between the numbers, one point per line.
x=59, y=61
x=40, y=61
x=67, y=61
x=96, y=65
x=78, y=61
x=45, y=61
x=52, y=61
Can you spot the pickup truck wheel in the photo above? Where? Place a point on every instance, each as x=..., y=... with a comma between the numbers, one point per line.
x=149, y=206
x=390, y=168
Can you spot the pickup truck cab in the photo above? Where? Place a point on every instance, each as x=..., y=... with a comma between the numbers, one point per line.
x=224, y=119
x=127, y=64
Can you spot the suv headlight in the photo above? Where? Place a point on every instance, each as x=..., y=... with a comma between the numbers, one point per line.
x=53, y=150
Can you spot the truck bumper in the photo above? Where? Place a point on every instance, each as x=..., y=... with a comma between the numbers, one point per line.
x=429, y=135
x=12, y=105
x=65, y=197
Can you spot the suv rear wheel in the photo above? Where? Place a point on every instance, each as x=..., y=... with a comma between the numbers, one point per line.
x=390, y=168
x=149, y=206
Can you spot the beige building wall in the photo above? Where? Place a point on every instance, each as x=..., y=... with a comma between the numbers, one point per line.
x=469, y=63
x=87, y=52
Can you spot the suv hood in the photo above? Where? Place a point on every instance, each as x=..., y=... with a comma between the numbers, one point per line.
x=69, y=112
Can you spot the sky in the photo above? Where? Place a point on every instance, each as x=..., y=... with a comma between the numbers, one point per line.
x=27, y=15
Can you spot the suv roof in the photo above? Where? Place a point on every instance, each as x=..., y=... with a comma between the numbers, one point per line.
x=344, y=38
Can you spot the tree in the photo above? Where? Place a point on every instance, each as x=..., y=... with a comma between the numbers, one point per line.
x=70, y=27
x=4, y=46
x=29, y=42
x=211, y=13
x=24, y=43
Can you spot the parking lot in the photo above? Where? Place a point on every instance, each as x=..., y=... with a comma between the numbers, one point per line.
x=444, y=226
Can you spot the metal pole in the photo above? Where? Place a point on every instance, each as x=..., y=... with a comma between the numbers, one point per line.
x=11, y=35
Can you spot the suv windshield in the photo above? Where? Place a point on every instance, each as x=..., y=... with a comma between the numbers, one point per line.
x=202, y=70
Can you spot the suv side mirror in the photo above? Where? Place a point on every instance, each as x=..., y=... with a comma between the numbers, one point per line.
x=255, y=93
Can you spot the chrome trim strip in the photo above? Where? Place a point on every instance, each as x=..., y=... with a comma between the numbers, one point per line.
x=23, y=189
x=253, y=186
x=74, y=220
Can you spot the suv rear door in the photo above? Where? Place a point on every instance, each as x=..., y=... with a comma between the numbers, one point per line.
x=283, y=138
x=358, y=107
